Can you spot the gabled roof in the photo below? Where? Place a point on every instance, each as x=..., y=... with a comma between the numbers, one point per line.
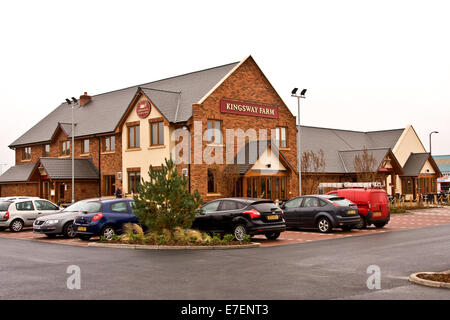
x=18, y=173
x=335, y=141
x=416, y=162
x=252, y=151
x=104, y=112
x=61, y=168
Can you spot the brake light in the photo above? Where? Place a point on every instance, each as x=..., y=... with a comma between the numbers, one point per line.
x=6, y=216
x=253, y=213
x=97, y=216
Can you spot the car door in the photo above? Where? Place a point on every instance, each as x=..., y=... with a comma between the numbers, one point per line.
x=121, y=214
x=44, y=207
x=292, y=212
x=308, y=210
x=204, y=217
x=27, y=211
x=223, y=217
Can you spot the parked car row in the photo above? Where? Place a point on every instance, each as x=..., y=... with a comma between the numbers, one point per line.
x=346, y=209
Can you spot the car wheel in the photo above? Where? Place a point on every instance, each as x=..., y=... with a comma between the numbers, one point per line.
x=347, y=228
x=51, y=235
x=108, y=233
x=362, y=223
x=84, y=237
x=16, y=225
x=239, y=232
x=380, y=225
x=69, y=231
x=324, y=225
x=272, y=235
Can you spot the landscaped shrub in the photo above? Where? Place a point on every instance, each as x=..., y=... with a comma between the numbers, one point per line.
x=227, y=239
x=164, y=202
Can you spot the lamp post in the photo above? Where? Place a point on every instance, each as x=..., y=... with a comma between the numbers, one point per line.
x=73, y=104
x=299, y=156
x=430, y=139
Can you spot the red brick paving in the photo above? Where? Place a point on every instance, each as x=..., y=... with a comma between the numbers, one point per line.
x=410, y=220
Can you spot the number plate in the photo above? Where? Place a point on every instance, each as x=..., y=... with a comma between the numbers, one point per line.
x=351, y=211
x=273, y=217
x=376, y=214
x=36, y=227
x=81, y=228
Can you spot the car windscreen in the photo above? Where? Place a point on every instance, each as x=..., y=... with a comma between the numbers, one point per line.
x=342, y=202
x=85, y=206
x=4, y=205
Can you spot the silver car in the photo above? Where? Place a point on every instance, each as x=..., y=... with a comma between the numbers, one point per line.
x=60, y=223
x=17, y=214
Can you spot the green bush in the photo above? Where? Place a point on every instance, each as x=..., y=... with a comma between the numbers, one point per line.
x=227, y=239
x=216, y=240
x=247, y=239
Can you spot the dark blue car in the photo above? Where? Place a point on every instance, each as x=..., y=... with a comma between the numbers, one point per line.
x=104, y=217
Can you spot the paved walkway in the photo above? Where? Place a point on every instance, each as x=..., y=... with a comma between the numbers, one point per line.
x=410, y=220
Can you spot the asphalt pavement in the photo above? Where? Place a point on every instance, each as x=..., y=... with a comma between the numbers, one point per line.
x=328, y=269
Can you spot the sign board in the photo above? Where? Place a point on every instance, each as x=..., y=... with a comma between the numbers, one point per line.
x=248, y=109
x=143, y=109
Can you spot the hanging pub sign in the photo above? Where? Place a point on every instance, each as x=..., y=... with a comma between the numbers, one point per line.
x=249, y=109
x=143, y=109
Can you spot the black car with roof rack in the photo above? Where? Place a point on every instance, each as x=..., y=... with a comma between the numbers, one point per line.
x=241, y=217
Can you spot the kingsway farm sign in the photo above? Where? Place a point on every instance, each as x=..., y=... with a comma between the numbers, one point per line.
x=250, y=109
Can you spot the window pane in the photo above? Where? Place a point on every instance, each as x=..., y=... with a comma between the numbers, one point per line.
x=120, y=207
x=113, y=143
x=138, y=136
x=217, y=132
x=277, y=137
x=161, y=133
x=209, y=132
x=86, y=146
x=283, y=137
x=131, y=137
x=154, y=134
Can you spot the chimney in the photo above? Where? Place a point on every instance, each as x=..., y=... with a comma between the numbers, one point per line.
x=84, y=99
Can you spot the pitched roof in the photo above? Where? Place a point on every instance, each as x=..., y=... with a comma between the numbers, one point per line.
x=18, y=173
x=414, y=164
x=335, y=141
x=348, y=157
x=252, y=151
x=104, y=112
x=61, y=168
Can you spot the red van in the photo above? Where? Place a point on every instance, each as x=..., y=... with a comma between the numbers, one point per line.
x=373, y=205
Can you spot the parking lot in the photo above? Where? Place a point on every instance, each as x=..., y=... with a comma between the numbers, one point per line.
x=410, y=220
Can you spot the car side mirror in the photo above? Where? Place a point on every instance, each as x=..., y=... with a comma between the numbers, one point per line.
x=200, y=211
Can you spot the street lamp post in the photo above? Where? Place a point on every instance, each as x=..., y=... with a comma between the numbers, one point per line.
x=299, y=156
x=430, y=138
x=73, y=104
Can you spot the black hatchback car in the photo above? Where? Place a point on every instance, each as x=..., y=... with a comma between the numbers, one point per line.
x=323, y=212
x=241, y=217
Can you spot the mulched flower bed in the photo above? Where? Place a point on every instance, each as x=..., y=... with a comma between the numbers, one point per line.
x=172, y=243
x=440, y=277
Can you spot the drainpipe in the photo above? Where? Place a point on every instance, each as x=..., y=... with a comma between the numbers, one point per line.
x=99, y=169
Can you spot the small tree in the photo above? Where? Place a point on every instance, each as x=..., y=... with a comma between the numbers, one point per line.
x=164, y=202
x=312, y=165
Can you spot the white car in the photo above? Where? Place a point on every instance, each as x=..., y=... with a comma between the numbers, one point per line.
x=17, y=214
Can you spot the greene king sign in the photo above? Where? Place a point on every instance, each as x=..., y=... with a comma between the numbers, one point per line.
x=249, y=109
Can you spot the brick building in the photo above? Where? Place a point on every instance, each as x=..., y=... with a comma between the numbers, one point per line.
x=119, y=134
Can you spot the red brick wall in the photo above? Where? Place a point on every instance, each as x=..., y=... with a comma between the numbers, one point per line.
x=19, y=189
x=247, y=83
x=111, y=162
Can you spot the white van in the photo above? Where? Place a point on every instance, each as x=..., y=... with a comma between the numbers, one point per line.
x=17, y=214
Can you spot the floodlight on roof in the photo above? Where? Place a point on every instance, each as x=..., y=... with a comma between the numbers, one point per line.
x=68, y=101
x=74, y=100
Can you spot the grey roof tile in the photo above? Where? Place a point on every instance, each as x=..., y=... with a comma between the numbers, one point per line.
x=61, y=168
x=18, y=173
x=333, y=141
x=414, y=164
x=104, y=112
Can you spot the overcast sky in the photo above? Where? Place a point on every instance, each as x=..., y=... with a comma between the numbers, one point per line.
x=367, y=65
